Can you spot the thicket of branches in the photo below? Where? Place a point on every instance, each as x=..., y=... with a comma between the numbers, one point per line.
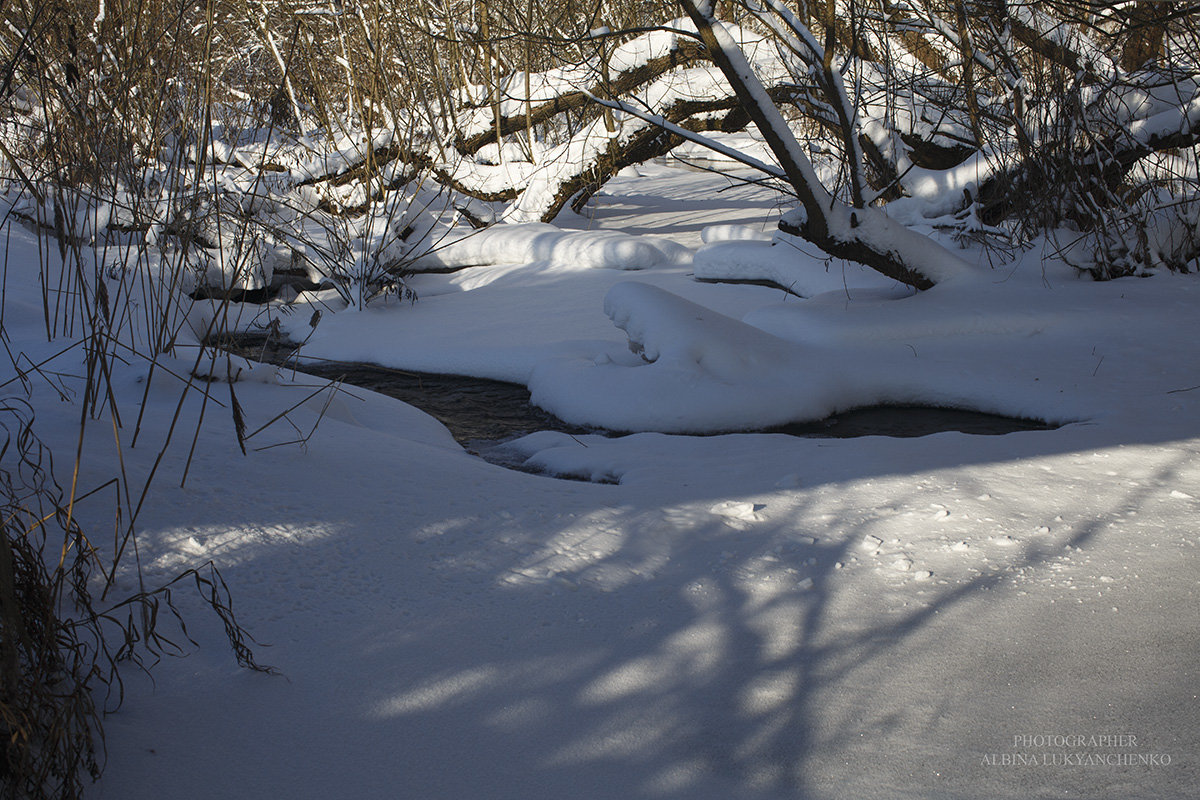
x=536, y=105
x=1008, y=119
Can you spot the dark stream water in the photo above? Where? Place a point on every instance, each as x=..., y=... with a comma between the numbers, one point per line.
x=482, y=414
x=480, y=411
x=477, y=411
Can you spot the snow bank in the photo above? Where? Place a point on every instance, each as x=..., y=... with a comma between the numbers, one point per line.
x=665, y=328
x=1014, y=348
x=782, y=261
x=703, y=372
x=521, y=244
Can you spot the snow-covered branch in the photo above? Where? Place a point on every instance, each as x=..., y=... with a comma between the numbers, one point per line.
x=864, y=235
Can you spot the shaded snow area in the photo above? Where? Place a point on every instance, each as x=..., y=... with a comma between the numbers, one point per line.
x=737, y=615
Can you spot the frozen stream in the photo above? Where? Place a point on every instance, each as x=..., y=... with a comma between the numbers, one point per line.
x=482, y=413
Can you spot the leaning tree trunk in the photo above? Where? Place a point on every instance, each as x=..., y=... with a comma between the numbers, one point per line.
x=854, y=232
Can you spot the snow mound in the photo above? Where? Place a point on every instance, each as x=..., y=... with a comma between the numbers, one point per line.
x=522, y=244
x=702, y=372
x=776, y=261
x=663, y=327
x=698, y=371
x=728, y=233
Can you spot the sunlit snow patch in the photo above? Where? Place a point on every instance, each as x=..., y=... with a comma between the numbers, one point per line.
x=523, y=244
x=779, y=261
x=704, y=372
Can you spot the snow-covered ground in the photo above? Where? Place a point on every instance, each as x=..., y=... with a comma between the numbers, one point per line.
x=742, y=615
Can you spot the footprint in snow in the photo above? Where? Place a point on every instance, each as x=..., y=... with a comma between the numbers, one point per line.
x=789, y=481
x=738, y=511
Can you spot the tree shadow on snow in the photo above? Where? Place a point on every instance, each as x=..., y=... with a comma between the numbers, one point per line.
x=540, y=639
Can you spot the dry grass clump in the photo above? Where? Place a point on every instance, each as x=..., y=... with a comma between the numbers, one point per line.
x=61, y=647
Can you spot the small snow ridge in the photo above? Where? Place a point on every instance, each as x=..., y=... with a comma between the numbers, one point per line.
x=523, y=244
x=664, y=326
x=733, y=253
x=706, y=372
x=727, y=233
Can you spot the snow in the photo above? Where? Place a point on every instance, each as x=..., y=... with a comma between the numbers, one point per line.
x=522, y=244
x=746, y=143
x=785, y=261
x=739, y=615
x=1068, y=37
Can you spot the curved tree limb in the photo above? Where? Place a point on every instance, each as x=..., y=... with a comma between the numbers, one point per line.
x=864, y=235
